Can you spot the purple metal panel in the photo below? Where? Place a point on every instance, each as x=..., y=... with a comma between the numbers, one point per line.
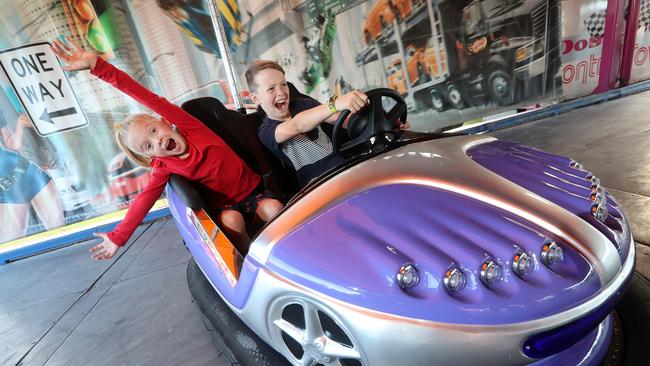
x=551, y=177
x=353, y=250
x=238, y=295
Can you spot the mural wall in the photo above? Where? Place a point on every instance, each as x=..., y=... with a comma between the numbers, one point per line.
x=582, y=36
x=641, y=56
x=452, y=60
x=48, y=180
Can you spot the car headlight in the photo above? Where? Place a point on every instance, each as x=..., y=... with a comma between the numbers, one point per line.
x=522, y=264
x=490, y=272
x=454, y=280
x=575, y=165
x=599, y=210
x=407, y=276
x=551, y=253
x=593, y=179
x=598, y=198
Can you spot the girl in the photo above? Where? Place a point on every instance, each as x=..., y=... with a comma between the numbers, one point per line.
x=191, y=150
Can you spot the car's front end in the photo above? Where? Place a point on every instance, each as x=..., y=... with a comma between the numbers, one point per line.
x=463, y=250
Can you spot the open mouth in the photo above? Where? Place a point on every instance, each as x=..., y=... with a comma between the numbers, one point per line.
x=171, y=145
x=280, y=105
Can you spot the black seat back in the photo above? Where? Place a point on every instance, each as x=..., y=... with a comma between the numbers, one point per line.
x=295, y=93
x=240, y=133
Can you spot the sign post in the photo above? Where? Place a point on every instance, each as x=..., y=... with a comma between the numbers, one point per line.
x=43, y=88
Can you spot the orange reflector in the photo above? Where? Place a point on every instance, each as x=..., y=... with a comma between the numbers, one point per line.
x=226, y=256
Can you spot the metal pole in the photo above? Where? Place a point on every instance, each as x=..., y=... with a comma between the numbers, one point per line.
x=381, y=61
x=436, y=37
x=226, y=56
x=546, y=49
x=405, y=72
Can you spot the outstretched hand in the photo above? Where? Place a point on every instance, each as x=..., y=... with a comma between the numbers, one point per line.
x=75, y=57
x=104, y=250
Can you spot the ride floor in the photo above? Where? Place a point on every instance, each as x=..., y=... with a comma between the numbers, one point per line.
x=62, y=308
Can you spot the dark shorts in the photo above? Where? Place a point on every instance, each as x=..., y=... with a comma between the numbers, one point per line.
x=20, y=179
x=248, y=205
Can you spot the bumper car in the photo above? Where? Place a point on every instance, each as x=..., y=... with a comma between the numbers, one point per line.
x=422, y=249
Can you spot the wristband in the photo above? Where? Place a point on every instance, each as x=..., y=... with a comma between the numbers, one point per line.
x=330, y=104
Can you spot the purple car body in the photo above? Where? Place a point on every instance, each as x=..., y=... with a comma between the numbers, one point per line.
x=463, y=250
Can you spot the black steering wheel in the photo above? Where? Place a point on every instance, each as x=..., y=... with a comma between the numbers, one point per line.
x=370, y=121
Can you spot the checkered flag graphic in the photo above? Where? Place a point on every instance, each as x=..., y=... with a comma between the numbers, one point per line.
x=644, y=14
x=596, y=24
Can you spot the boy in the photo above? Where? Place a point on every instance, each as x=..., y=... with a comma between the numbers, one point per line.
x=291, y=129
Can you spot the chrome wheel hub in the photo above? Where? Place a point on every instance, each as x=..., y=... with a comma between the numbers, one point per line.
x=311, y=335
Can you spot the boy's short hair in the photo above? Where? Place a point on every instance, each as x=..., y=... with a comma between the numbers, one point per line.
x=256, y=67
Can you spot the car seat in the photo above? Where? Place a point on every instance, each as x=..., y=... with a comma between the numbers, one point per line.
x=239, y=131
x=295, y=93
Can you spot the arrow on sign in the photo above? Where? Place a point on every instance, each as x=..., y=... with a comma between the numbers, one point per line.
x=47, y=116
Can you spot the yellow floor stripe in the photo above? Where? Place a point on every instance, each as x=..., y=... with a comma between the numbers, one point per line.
x=72, y=228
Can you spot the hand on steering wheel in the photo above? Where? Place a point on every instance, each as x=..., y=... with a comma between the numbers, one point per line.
x=353, y=101
x=370, y=121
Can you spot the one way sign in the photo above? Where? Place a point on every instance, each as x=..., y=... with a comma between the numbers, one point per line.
x=43, y=88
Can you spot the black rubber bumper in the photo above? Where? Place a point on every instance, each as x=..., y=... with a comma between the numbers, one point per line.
x=237, y=341
x=634, y=311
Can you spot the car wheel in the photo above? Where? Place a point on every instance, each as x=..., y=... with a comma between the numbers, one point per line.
x=455, y=96
x=634, y=311
x=306, y=333
x=240, y=344
x=437, y=102
x=500, y=87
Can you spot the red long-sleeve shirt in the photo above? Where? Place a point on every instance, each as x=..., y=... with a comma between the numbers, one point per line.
x=210, y=162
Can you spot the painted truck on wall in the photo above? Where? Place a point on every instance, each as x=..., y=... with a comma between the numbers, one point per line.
x=475, y=52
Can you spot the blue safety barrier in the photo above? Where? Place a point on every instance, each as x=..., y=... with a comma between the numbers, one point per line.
x=74, y=237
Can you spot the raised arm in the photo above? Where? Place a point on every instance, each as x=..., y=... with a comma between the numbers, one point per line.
x=306, y=121
x=78, y=59
x=139, y=208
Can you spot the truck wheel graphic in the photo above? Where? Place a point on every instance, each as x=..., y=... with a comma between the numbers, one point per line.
x=437, y=102
x=500, y=87
x=422, y=74
x=454, y=96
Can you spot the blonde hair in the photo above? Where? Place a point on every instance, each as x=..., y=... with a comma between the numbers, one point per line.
x=256, y=67
x=121, y=130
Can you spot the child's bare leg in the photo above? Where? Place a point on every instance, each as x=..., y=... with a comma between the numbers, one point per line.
x=232, y=223
x=267, y=208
